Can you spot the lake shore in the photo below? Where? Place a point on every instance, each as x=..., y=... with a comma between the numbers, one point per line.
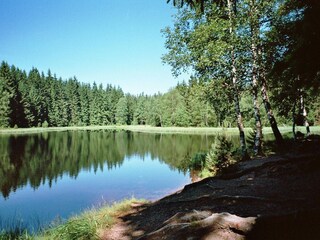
x=248, y=197
x=147, y=129
x=275, y=197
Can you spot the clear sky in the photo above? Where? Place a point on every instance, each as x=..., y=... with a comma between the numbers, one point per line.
x=106, y=41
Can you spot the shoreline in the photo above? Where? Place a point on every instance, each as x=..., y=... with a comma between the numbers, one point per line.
x=237, y=195
x=293, y=160
x=149, y=129
x=273, y=197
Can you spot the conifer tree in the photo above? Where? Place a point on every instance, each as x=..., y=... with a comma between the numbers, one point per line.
x=5, y=97
x=122, y=111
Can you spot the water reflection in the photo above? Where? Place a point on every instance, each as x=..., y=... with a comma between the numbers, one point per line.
x=44, y=158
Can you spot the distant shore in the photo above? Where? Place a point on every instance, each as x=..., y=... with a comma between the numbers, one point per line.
x=148, y=129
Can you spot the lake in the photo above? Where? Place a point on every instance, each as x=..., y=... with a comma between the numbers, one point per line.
x=50, y=176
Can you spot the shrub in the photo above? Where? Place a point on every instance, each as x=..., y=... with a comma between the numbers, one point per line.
x=198, y=161
x=45, y=124
x=205, y=173
x=219, y=156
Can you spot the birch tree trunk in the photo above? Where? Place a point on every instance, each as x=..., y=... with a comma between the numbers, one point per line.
x=294, y=121
x=258, y=58
x=254, y=25
x=304, y=114
x=235, y=82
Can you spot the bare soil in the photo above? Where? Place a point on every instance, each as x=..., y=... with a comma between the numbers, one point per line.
x=275, y=197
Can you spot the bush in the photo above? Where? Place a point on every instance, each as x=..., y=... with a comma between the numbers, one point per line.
x=45, y=124
x=205, y=173
x=219, y=156
x=198, y=161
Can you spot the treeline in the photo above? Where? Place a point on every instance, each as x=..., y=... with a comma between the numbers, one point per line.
x=37, y=100
x=255, y=63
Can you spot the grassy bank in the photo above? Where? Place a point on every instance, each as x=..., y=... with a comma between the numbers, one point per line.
x=53, y=129
x=132, y=128
x=149, y=129
x=86, y=226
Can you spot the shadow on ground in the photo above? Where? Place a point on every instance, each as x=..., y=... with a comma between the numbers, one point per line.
x=275, y=197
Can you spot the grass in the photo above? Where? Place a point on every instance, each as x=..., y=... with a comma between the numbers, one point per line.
x=52, y=129
x=180, y=130
x=85, y=226
x=132, y=128
x=16, y=234
x=149, y=129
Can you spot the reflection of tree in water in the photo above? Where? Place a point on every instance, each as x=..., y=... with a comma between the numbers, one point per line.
x=41, y=158
x=11, y=160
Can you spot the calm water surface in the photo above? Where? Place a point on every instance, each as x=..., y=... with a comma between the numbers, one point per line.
x=49, y=176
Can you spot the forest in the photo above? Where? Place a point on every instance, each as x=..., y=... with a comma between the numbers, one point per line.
x=252, y=64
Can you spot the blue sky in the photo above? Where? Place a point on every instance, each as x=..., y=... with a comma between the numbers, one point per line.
x=105, y=41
